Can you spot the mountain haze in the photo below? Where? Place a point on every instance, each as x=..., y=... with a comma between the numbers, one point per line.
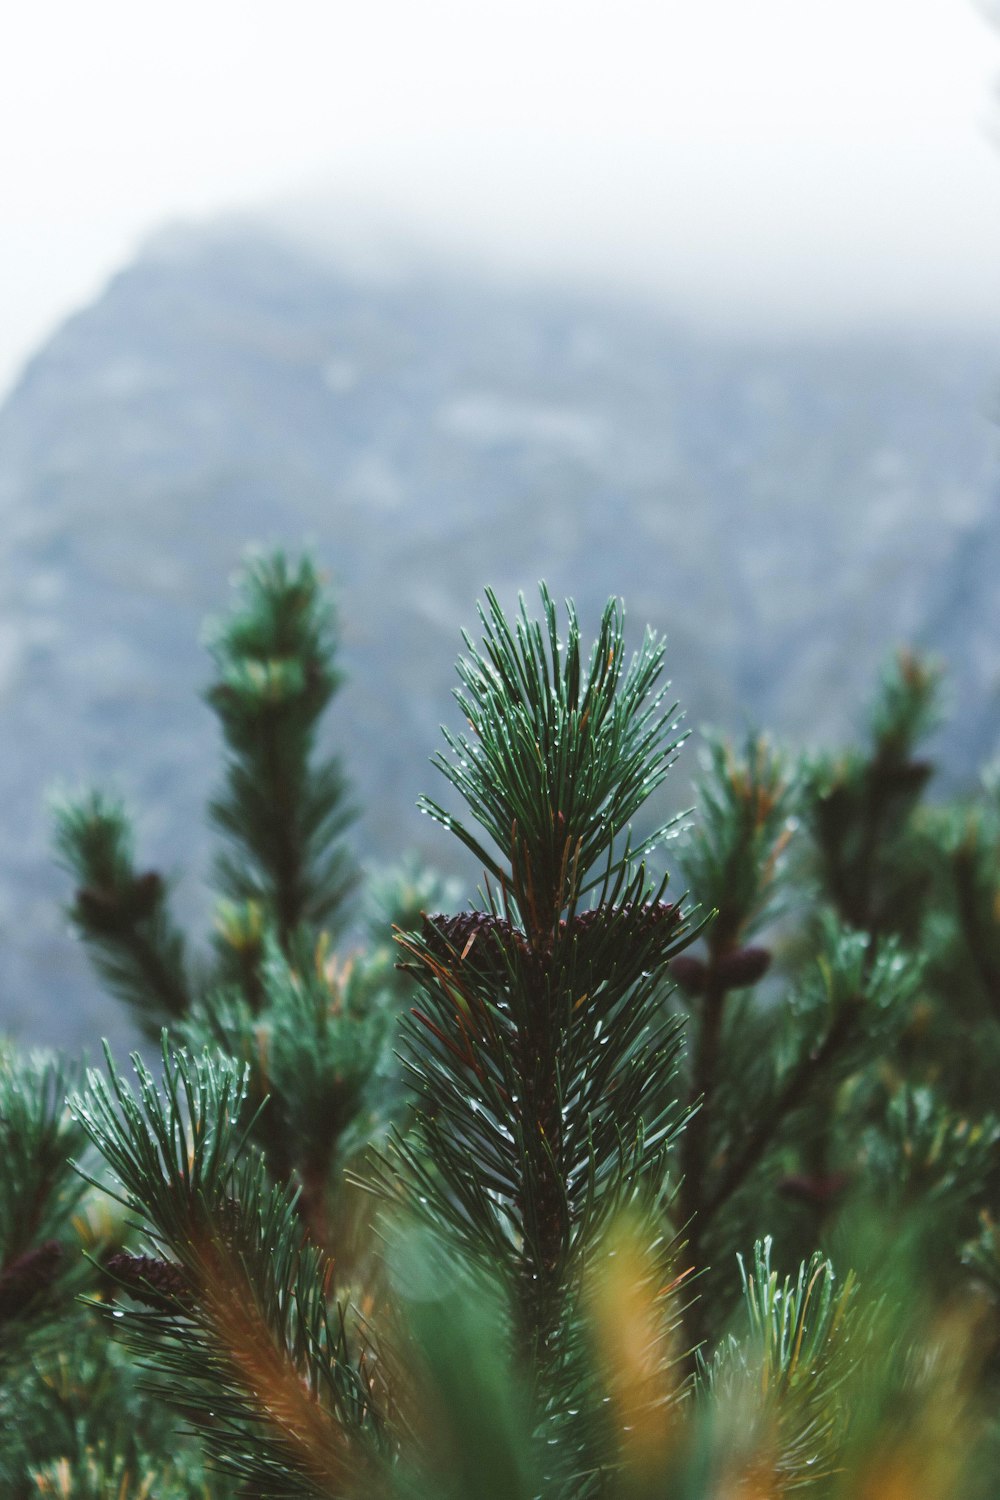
x=786, y=511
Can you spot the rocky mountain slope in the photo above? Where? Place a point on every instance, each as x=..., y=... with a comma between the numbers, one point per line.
x=784, y=510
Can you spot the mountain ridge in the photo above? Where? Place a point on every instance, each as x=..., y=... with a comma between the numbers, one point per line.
x=786, y=512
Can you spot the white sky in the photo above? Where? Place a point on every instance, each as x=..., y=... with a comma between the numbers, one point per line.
x=805, y=160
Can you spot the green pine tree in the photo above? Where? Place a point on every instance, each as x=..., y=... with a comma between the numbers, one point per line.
x=556, y=1274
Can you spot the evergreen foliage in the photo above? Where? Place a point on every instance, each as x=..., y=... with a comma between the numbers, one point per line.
x=237, y=1320
x=281, y=811
x=565, y=1245
x=542, y=1048
x=315, y=1032
x=122, y=913
x=284, y=869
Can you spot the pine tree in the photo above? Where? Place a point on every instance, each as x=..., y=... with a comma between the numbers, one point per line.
x=557, y=1275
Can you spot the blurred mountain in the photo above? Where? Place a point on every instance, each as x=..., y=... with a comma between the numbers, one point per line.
x=785, y=511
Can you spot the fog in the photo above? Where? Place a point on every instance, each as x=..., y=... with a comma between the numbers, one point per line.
x=782, y=163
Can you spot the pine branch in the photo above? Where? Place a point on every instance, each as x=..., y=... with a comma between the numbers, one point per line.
x=802, y=1345
x=541, y=1054
x=860, y=805
x=564, y=756
x=734, y=859
x=282, y=812
x=122, y=915
x=240, y=1334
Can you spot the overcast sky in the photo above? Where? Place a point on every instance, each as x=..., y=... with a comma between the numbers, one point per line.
x=798, y=160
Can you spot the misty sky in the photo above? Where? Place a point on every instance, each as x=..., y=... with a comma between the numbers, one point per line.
x=785, y=160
